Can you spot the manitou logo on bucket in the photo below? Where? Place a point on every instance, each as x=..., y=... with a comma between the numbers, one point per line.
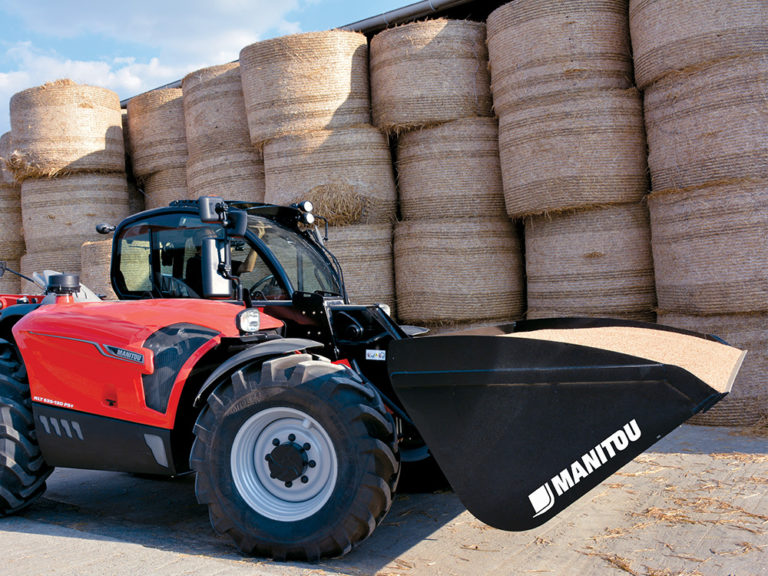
x=543, y=499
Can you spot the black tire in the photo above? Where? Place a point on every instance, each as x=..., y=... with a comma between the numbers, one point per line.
x=23, y=470
x=328, y=425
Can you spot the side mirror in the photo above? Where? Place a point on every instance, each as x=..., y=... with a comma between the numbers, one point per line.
x=238, y=223
x=211, y=208
x=214, y=253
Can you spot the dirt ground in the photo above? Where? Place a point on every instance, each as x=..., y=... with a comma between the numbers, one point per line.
x=696, y=503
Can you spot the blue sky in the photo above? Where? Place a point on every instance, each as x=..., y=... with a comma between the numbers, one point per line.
x=132, y=47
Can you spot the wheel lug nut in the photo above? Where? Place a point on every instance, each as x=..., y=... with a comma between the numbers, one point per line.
x=307, y=447
x=275, y=442
x=288, y=484
x=311, y=463
x=291, y=437
x=304, y=479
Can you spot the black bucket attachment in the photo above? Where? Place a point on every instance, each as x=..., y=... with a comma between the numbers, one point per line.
x=525, y=419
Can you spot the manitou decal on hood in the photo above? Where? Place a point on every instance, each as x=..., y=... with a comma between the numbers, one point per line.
x=542, y=499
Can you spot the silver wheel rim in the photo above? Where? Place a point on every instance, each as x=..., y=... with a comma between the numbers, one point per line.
x=253, y=479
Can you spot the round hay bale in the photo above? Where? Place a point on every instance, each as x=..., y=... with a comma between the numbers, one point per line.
x=239, y=174
x=6, y=149
x=10, y=283
x=95, y=260
x=347, y=167
x=708, y=124
x=458, y=270
x=66, y=261
x=573, y=150
x=305, y=82
x=64, y=128
x=62, y=213
x=11, y=237
x=748, y=401
x=595, y=262
x=165, y=186
x=157, y=134
x=222, y=161
x=671, y=36
x=428, y=72
x=364, y=252
x=537, y=47
x=709, y=248
x=451, y=169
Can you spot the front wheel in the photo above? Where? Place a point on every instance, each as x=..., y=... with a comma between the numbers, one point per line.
x=296, y=459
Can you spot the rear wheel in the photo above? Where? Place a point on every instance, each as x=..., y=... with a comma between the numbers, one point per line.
x=296, y=459
x=22, y=468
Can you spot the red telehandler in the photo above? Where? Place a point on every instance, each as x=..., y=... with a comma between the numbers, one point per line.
x=234, y=352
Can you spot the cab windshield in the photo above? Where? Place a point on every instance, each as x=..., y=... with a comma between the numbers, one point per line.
x=305, y=270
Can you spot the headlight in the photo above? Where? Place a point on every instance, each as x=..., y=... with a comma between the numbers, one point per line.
x=249, y=320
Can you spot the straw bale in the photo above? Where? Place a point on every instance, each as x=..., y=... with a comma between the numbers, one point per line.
x=305, y=82
x=537, y=47
x=6, y=149
x=63, y=128
x=238, y=174
x=748, y=401
x=11, y=237
x=573, y=149
x=458, y=270
x=708, y=124
x=451, y=169
x=65, y=260
x=427, y=72
x=594, y=262
x=671, y=36
x=10, y=283
x=709, y=248
x=63, y=212
x=95, y=260
x=353, y=164
x=157, y=132
x=364, y=252
x=165, y=186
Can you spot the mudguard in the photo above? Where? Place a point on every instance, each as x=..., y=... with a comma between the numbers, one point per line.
x=527, y=418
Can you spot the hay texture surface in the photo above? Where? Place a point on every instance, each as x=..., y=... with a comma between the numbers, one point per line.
x=573, y=149
x=221, y=160
x=710, y=249
x=65, y=260
x=62, y=213
x=451, y=170
x=747, y=403
x=157, y=131
x=428, y=72
x=595, y=262
x=365, y=254
x=10, y=283
x=165, y=186
x=711, y=362
x=95, y=260
x=305, y=82
x=347, y=167
x=458, y=270
x=537, y=47
x=708, y=124
x=11, y=237
x=63, y=128
x=672, y=36
x=6, y=149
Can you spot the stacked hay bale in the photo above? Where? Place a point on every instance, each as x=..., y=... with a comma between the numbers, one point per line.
x=95, y=259
x=11, y=238
x=308, y=107
x=222, y=162
x=158, y=145
x=573, y=155
x=69, y=156
x=457, y=256
x=704, y=70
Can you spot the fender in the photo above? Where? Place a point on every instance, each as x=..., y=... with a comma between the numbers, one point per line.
x=264, y=350
x=9, y=316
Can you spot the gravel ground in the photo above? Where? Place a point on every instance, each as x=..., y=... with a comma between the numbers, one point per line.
x=696, y=503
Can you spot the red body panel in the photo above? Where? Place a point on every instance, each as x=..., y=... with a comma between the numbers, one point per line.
x=90, y=357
